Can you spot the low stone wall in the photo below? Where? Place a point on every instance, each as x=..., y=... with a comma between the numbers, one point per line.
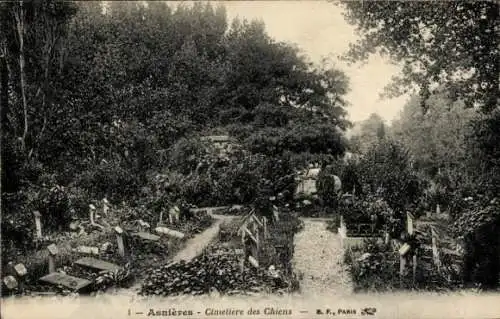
x=348, y=242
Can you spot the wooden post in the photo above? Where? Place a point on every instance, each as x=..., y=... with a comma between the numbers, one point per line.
x=435, y=252
x=161, y=218
x=264, y=222
x=53, y=251
x=105, y=207
x=119, y=240
x=38, y=224
x=257, y=257
x=414, y=277
x=409, y=223
x=91, y=214
x=438, y=209
x=402, y=266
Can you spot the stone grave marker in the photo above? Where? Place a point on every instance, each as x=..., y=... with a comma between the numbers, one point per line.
x=60, y=279
x=253, y=261
x=38, y=224
x=10, y=282
x=146, y=236
x=97, y=264
x=119, y=239
x=21, y=270
x=53, y=251
x=169, y=232
x=87, y=250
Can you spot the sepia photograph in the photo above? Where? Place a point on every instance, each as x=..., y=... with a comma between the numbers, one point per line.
x=250, y=159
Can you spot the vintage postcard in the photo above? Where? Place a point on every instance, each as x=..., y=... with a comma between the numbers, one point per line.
x=250, y=159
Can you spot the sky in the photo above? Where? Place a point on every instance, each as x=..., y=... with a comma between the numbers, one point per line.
x=320, y=30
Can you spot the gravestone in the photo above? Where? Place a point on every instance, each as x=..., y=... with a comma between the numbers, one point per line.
x=67, y=281
x=119, y=240
x=169, y=232
x=10, y=282
x=87, y=250
x=253, y=261
x=146, y=236
x=409, y=223
x=53, y=251
x=38, y=224
x=21, y=270
x=97, y=264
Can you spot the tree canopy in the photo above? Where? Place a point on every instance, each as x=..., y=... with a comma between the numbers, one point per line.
x=447, y=43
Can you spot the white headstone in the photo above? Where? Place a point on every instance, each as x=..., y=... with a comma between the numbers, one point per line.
x=53, y=251
x=38, y=224
x=21, y=270
x=119, y=240
x=10, y=282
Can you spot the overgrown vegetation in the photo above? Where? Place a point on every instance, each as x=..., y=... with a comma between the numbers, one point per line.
x=448, y=127
x=116, y=100
x=100, y=116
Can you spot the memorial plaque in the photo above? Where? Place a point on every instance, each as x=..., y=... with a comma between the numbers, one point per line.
x=71, y=282
x=147, y=236
x=253, y=261
x=169, y=232
x=98, y=264
x=404, y=249
x=21, y=270
x=53, y=250
x=10, y=282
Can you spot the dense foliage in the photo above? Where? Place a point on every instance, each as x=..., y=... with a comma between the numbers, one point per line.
x=454, y=44
x=110, y=101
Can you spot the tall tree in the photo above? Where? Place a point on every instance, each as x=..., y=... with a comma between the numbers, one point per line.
x=368, y=133
x=436, y=140
x=450, y=43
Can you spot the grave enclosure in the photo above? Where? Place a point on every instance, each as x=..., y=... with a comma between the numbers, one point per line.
x=14, y=277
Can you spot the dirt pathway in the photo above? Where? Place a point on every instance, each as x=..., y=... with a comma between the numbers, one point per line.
x=318, y=259
x=193, y=248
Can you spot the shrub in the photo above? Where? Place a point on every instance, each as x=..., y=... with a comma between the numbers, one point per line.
x=110, y=180
x=478, y=226
x=187, y=153
x=377, y=270
x=327, y=190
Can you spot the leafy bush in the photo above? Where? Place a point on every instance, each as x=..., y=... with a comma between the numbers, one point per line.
x=18, y=226
x=110, y=180
x=187, y=153
x=478, y=226
x=385, y=171
x=314, y=138
x=327, y=191
x=370, y=210
x=373, y=267
x=56, y=204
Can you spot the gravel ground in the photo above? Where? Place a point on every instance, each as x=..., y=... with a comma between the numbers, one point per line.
x=318, y=260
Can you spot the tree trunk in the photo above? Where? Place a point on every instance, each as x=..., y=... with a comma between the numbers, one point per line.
x=19, y=16
x=4, y=90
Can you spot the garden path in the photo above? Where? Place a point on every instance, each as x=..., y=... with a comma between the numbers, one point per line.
x=193, y=248
x=318, y=260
